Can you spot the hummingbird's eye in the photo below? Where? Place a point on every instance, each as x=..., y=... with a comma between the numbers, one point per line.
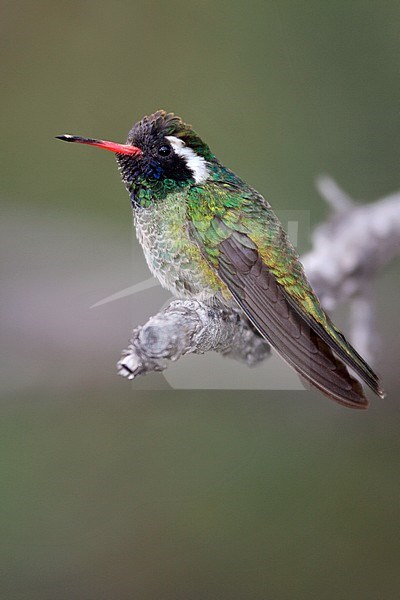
x=164, y=150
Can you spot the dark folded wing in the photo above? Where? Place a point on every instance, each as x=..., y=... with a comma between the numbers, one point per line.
x=266, y=304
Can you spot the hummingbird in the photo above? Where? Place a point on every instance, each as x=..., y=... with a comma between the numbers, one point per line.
x=207, y=235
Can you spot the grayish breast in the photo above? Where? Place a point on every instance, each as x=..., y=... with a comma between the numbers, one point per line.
x=173, y=257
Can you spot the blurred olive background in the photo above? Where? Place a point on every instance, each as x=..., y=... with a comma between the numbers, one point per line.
x=113, y=491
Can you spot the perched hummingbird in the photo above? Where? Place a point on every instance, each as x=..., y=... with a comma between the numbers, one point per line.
x=207, y=235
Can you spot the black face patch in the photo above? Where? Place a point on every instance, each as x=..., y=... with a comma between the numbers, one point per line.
x=158, y=161
x=152, y=165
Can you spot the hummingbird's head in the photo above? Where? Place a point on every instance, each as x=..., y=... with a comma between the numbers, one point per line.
x=160, y=148
x=170, y=150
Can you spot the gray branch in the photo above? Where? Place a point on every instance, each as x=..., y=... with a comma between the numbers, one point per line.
x=352, y=246
x=347, y=252
x=189, y=326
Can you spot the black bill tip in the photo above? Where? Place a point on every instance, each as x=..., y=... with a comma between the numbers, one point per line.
x=70, y=138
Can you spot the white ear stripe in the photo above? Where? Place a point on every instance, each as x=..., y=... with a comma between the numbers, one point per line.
x=197, y=164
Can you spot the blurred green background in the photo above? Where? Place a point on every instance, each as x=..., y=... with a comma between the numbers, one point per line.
x=112, y=491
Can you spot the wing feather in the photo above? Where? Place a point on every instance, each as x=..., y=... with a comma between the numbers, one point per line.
x=264, y=301
x=244, y=242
